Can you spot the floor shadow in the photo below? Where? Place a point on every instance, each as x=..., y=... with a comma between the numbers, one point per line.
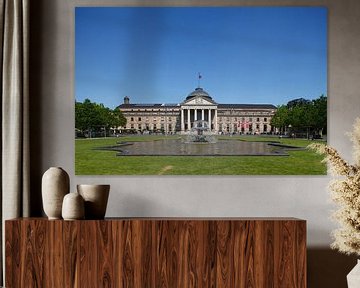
x=328, y=268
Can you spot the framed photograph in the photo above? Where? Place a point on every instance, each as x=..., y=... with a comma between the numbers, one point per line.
x=200, y=90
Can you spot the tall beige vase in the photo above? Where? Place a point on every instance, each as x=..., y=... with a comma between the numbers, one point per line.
x=55, y=185
x=96, y=198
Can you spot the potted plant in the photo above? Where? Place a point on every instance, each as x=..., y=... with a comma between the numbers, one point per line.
x=345, y=192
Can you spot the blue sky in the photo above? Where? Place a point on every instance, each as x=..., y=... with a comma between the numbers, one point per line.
x=244, y=54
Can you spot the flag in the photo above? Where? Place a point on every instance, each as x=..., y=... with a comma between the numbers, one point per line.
x=200, y=76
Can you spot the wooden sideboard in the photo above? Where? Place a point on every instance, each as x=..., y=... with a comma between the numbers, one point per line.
x=156, y=252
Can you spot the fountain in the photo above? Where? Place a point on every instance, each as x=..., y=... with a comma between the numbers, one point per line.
x=200, y=141
x=200, y=133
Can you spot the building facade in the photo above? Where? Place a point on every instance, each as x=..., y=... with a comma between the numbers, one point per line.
x=198, y=105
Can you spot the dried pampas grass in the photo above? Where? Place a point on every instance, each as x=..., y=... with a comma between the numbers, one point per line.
x=345, y=192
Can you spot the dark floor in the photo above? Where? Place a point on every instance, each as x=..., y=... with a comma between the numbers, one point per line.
x=328, y=268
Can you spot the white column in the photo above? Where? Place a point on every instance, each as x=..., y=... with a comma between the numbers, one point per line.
x=209, y=122
x=182, y=120
x=202, y=115
x=215, y=121
x=195, y=114
x=188, y=121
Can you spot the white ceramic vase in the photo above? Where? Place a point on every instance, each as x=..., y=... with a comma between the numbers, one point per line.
x=73, y=207
x=96, y=198
x=353, y=278
x=55, y=185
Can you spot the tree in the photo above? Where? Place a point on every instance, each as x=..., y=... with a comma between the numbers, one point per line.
x=320, y=105
x=297, y=102
x=118, y=119
x=86, y=115
x=304, y=116
x=92, y=116
x=280, y=119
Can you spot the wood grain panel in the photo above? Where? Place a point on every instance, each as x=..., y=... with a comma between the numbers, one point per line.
x=301, y=254
x=12, y=252
x=268, y=253
x=105, y=257
x=235, y=252
x=96, y=254
x=224, y=257
x=71, y=248
x=33, y=254
x=210, y=253
x=55, y=267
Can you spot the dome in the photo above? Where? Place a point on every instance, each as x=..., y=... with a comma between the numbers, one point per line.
x=198, y=92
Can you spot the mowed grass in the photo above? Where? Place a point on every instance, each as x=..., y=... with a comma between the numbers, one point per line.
x=96, y=162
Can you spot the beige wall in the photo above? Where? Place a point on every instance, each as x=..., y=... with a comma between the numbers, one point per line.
x=52, y=122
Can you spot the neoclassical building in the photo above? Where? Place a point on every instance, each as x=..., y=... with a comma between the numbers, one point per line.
x=198, y=105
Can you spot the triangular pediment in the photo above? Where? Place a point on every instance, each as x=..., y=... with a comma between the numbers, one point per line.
x=199, y=101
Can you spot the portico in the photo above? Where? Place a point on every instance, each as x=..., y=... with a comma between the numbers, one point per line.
x=198, y=106
x=191, y=114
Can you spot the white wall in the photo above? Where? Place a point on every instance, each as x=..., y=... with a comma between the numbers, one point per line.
x=304, y=197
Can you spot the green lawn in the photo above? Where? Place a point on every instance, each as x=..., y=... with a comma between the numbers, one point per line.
x=96, y=162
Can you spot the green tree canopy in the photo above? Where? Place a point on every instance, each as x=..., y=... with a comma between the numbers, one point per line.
x=90, y=116
x=281, y=118
x=302, y=115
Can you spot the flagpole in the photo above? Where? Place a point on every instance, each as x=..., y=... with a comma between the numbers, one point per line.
x=199, y=77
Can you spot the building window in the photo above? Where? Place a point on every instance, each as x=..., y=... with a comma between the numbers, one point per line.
x=169, y=119
x=155, y=127
x=258, y=119
x=265, y=127
x=265, y=119
x=139, y=126
x=132, y=126
x=139, y=119
x=132, y=119
x=257, y=126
